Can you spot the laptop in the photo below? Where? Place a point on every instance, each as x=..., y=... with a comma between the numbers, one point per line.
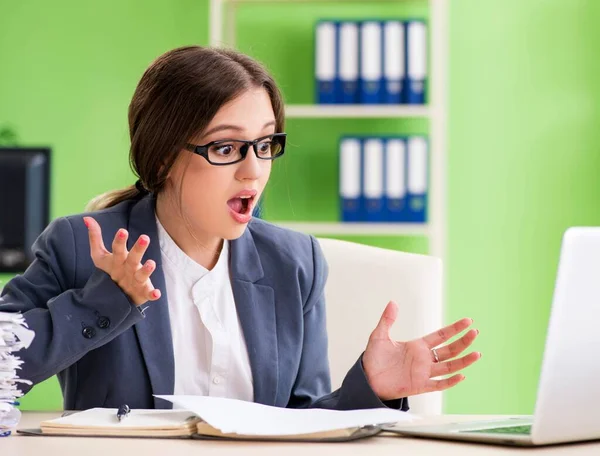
x=567, y=407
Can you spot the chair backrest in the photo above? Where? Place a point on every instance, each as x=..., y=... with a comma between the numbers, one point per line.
x=361, y=281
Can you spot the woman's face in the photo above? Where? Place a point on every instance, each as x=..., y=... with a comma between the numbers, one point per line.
x=218, y=200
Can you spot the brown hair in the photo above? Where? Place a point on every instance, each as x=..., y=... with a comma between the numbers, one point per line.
x=175, y=100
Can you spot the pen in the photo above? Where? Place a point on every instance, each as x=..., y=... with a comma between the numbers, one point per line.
x=123, y=412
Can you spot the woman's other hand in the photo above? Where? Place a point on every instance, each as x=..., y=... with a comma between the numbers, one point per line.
x=400, y=369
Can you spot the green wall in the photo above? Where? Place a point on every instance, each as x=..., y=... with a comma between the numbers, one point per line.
x=523, y=166
x=68, y=71
x=522, y=156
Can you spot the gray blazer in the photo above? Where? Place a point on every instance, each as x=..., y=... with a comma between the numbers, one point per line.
x=108, y=352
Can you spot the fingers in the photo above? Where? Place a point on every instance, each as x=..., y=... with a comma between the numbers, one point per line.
x=154, y=295
x=141, y=293
x=145, y=292
x=450, y=367
x=442, y=335
x=382, y=330
x=137, y=252
x=444, y=384
x=143, y=274
x=458, y=346
x=119, y=247
x=141, y=289
x=97, y=249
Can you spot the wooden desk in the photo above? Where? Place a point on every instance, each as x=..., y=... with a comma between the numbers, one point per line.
x=18, y=445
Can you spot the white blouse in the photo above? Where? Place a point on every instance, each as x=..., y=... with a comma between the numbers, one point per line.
x=211, y=357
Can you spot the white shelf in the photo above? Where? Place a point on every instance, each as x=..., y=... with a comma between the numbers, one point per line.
x=363, y=228
x=356, y=111
x=222, y=33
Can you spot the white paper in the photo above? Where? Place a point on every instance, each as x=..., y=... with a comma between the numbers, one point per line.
x=249, y=418
x=14, y=336
x=24, y=335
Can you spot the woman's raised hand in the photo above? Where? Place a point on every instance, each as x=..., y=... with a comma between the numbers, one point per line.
x=124, y=267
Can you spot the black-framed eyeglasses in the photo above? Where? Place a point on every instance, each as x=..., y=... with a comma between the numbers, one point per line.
x=230, y=151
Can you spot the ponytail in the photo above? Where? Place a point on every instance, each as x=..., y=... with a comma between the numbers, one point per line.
x=114, y=197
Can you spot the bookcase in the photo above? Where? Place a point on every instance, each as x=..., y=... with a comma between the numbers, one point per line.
x=223, y=33
x=280, y=33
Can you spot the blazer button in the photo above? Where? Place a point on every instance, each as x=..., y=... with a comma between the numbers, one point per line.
x=88, y=332
x=103, y=322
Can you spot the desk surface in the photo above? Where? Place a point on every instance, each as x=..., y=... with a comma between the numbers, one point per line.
x=18, y=445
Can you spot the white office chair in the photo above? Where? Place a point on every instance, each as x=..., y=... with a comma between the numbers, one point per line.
x=362, y=279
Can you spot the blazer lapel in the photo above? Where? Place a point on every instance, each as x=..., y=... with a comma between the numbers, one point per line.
x=154, y=331
x=255, y=304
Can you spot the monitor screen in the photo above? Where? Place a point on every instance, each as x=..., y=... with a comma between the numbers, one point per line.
x=24, y=203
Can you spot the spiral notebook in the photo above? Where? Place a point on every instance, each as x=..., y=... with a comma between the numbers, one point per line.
x=221, y=418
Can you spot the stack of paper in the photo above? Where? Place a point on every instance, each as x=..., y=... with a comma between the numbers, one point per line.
x=14, y=335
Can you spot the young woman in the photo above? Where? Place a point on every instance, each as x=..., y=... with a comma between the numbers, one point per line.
x=193, y=295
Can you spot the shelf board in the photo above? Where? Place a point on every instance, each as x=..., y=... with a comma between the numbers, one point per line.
x=356, y=111
x=363, y=228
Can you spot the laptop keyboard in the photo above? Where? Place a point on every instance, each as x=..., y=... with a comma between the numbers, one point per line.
x=519, y=430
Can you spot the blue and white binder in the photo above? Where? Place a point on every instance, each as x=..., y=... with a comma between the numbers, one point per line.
x=395, y=180
x=416, y=62
x=371, y=67
x=325, y=61
x=350, y=179
x=373, y=179
x=347, y=82
x=417, y=179
x=393, y=62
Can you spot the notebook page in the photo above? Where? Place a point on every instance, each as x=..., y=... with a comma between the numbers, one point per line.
x=137, y=419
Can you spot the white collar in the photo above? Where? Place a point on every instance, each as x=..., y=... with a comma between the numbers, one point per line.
x=180, y=260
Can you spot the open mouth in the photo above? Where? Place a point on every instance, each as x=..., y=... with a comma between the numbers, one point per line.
x=241, y=205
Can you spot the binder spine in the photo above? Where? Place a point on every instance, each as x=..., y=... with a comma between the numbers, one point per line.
x=393, y=62
x=395, y=180
x=417, y=179
x=373, y=179
x=416, y=62
x=350, y=179
x=347, y=83
x=371, y=62
x=325, y=61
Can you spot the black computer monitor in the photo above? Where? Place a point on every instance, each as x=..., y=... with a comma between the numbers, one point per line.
x=24, y=203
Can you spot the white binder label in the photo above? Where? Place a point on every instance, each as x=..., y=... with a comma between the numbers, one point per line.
x=349, y=51
x=395, y=180
x=417, y=165
x=417, y=50
x=373, y=168
x=393, y=45
x=370, y=48
x=350, y=168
